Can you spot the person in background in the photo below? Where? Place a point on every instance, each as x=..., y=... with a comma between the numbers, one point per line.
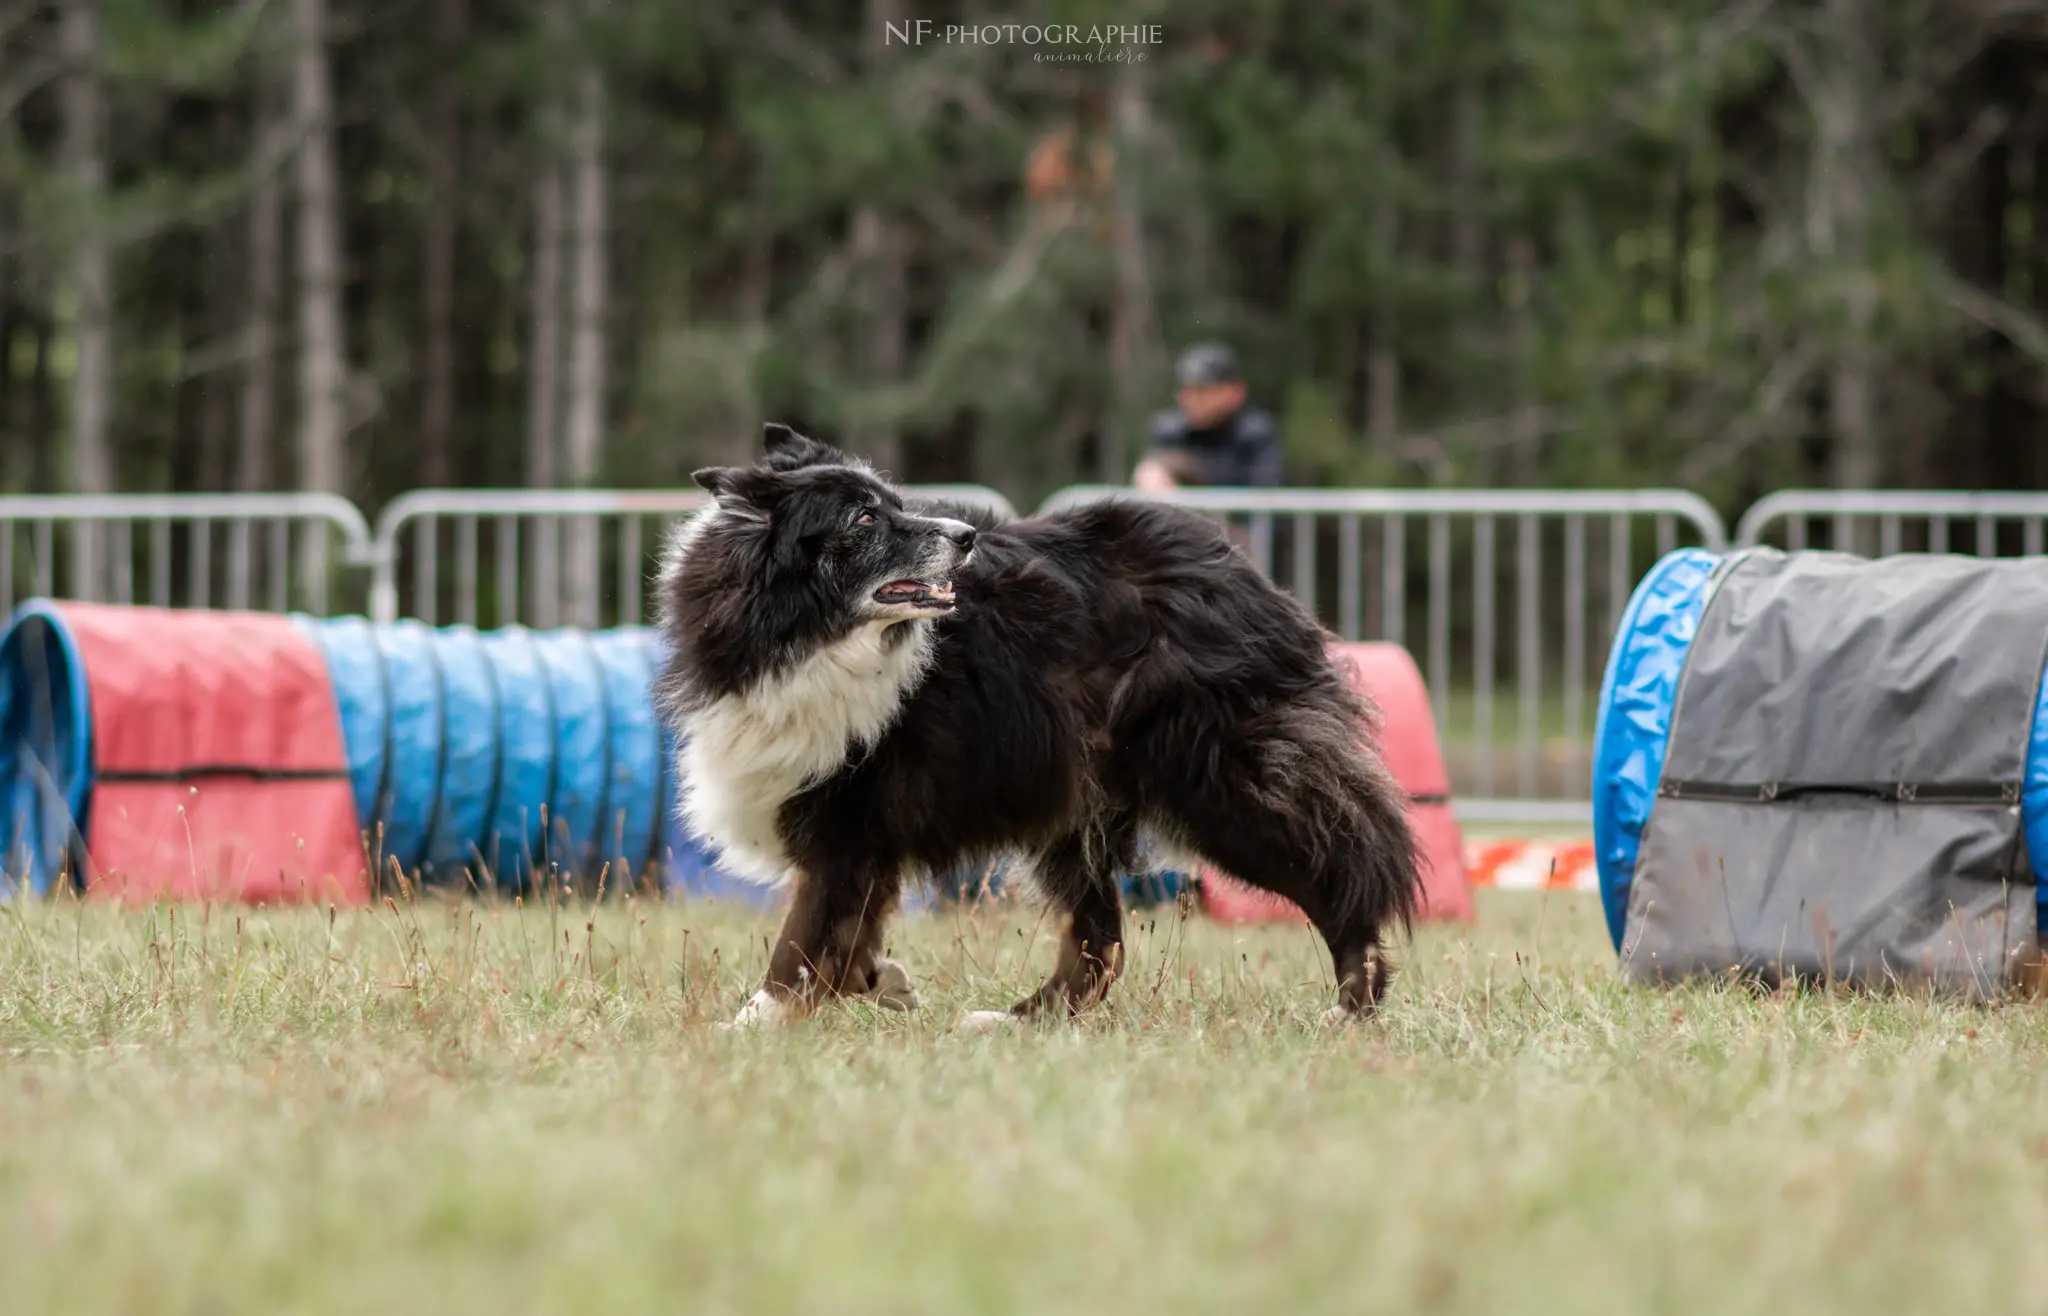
x=1214, y=437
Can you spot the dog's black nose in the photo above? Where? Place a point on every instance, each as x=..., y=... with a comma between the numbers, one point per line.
x=961, y=533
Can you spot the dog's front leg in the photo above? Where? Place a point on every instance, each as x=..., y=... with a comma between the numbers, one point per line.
x=1091, y=956
x=827, y=946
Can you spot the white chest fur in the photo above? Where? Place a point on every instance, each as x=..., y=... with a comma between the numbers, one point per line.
x=749, y=753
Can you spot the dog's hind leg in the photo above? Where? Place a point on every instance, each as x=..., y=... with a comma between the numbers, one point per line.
x=1327, y=888
x=1302, y=810
x=1077, y=877
x=829, y=946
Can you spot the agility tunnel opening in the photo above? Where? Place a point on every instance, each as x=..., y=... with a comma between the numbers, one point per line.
x=1815, y=766
x=45, y=748
x=149, y=752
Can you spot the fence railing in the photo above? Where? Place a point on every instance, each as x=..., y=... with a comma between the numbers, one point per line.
x=542, y=557
x=1508, y=598
x=259, y=550
x=1883, y=523
x=1497, y=592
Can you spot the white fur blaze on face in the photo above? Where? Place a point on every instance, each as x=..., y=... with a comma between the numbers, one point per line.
x=747, y=754
x=763, y=1009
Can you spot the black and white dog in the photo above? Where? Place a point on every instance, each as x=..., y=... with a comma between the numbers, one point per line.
x=872, y=689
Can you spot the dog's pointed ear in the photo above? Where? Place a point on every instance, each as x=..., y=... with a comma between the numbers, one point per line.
x=790, y=451
x=715, y=480
x=746, y=489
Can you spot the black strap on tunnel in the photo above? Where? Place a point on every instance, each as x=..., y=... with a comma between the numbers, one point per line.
x=1884, y=792
x=594, y=846
x=380, y=811
x=544, y=812
x=433, y=650
x=490, y=816
x=659, y=831
x=200, y=771
x=662, y=804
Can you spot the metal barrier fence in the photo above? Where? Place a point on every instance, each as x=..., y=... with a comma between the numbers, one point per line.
x=543, y=557
x=1450, y=573
x=1506, y=596
x=1983, y=524
x=275, y=550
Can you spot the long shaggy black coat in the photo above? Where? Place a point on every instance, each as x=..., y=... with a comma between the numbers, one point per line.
x=872, y=690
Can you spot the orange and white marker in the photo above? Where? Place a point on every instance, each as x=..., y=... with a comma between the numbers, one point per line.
x=1532, y=865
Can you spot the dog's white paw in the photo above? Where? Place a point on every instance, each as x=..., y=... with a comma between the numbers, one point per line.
x=893, y=989
x=1337, y=1016
x=762, y=1009
x=988, y=1021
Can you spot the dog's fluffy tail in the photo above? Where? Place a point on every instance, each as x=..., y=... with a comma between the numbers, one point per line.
x=1351, y=813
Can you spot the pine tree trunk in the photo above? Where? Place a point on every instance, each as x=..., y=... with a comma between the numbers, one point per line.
x=1845, y=177
x=1852, y=408
x=1468, y=233
x=217, y=317
x=12, y=459
x=1383, y=358
x=92, y=381
x=437, y=365
x=2037, y=208
x=85, y=167
x=544, y=328
x=1525, y=421
x=41, y=427
x=1383, y=361
x=544, y=382
x=322, y=354
x=585, y=436
x=879, y=258
x=216, y=426
x=584, y=447
x=1130, y=321
x=255, y=465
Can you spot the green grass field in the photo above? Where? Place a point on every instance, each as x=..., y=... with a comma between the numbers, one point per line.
x=447, y=1107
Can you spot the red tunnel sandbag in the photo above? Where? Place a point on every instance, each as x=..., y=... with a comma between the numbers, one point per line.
x=1408, y=744
x=218, y=766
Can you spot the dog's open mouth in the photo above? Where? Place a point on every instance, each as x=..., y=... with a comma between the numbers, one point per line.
x=916, y=594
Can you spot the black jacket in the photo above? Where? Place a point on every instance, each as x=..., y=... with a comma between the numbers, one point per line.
x=1244, y=450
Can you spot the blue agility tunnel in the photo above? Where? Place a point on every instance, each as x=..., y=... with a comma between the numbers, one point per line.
x=635, y=792
x=1634, y=719
x=45, y=746
x=1820, y=766
x=487, y=759
x=494, y=758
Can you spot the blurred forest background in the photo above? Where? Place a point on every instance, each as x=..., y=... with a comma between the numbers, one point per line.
x=368, y=245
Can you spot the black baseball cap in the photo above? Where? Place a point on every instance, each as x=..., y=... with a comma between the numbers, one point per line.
x=1207, y=363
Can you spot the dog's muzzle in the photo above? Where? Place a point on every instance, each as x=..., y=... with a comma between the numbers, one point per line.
x=930, y=590
x=957, y=533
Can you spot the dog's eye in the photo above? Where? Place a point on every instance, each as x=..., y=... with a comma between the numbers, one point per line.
x=865, y=518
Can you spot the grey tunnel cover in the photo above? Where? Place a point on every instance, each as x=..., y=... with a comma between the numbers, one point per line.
x=1840, y=796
